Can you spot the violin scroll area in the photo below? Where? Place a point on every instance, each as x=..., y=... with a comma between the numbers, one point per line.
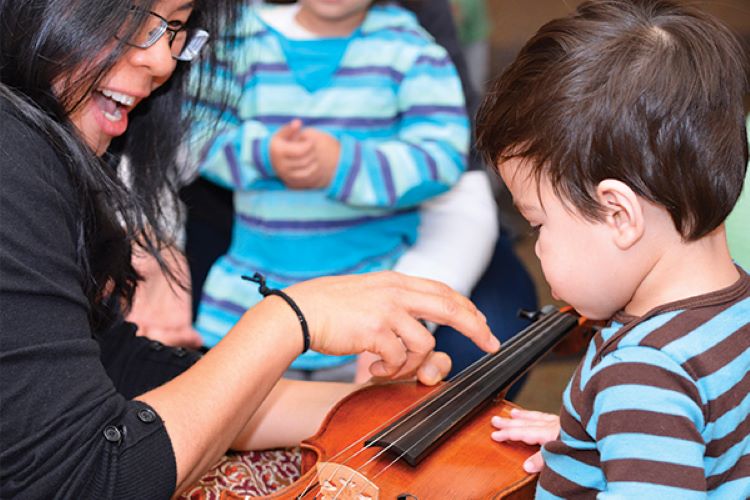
x=344, y=483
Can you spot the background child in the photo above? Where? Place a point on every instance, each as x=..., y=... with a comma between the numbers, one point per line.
x=620, y=132
x=347, y=119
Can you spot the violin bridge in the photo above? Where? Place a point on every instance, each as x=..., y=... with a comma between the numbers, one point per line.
x=344, y=483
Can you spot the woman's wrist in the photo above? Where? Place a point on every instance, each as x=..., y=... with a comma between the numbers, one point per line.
x=273, y=319
x=265, y=291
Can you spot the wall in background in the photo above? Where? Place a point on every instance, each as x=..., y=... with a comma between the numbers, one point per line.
x=514, y=21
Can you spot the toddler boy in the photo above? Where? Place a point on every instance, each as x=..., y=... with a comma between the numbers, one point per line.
x=620, y=132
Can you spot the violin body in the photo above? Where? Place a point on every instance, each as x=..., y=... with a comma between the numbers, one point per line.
x=466, y=465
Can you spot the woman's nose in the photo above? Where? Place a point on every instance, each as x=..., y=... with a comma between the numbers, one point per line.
x=157, y=58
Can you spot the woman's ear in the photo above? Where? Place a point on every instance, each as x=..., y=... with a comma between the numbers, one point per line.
x=623, y=212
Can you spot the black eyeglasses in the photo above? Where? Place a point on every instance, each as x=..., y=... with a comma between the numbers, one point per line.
x=185, y=43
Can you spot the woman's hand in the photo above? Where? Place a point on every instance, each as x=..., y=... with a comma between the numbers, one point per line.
x=435, y=368
x=380, y=313
x=531, y=427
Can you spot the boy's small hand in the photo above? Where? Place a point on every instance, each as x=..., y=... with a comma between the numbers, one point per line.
x=293, y=156
x=531, y=427
x=327, y=151
x=304, y=158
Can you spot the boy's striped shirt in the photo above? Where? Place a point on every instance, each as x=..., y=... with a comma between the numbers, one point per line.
x=658, y=407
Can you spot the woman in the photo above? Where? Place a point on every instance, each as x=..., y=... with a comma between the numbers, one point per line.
x=88, y=410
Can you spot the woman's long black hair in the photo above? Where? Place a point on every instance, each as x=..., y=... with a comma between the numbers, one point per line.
x=53, y=53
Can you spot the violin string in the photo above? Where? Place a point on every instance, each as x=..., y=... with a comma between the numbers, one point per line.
x=551, y=318
x=482, y=373
x=308, y=487
x=474, y=383
x=373, y=432
x=481, y=365
x=531, y=331
x=345, y=485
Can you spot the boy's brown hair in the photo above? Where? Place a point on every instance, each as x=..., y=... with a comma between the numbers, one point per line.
x=649, y=92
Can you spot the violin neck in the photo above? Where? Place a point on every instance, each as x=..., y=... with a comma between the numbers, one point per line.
x=413, y=436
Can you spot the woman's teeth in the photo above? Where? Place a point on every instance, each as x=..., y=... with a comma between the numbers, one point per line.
x=124, y=99
x=113, y=117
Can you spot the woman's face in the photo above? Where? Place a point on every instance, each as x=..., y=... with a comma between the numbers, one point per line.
x=104, y=114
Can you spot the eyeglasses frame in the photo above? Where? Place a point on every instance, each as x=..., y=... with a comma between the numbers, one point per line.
x=165, y=28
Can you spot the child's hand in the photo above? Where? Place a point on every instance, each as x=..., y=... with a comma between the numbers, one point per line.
x=293, y=156
x=531, y=427
x=327, y=151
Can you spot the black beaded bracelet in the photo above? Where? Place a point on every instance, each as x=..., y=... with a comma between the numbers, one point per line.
x=265, y=291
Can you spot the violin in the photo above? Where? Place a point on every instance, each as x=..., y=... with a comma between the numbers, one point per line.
x=406, y=441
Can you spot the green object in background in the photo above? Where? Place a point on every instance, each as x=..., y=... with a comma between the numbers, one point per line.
x=738, y=223
x=472, y=20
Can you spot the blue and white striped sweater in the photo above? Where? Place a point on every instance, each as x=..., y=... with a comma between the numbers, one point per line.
x=394, y=102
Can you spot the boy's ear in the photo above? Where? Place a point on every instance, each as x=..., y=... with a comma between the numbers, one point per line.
x=623, y=212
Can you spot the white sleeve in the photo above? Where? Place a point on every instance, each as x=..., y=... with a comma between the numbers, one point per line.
x=456, y=236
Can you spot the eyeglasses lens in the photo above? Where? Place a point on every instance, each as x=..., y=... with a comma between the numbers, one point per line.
x=149, y=34
x=185, y=44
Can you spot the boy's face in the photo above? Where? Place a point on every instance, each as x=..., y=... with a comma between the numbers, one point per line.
x=579, y=259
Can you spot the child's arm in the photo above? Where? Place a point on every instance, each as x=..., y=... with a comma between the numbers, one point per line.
x=634, y=430
x=241, y=155
x=648, y=423
x=232, y=153
x=531, y=427
x=427, y=156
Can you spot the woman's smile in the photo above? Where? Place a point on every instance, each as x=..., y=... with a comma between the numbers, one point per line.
x=110, y=110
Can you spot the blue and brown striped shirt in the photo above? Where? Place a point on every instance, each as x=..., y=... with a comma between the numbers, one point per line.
x=658, y=407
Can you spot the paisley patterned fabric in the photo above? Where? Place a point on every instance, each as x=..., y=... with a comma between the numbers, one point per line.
x=247, y=474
